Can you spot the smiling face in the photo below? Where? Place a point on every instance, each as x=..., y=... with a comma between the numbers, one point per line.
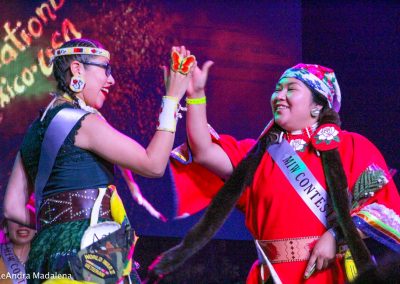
x=97, y=83
x=18, y=234
x=291, y=104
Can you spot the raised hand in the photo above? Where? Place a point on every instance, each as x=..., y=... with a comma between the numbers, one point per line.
x=199, y=80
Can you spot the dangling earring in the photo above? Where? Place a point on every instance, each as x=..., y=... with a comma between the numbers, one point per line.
x=315, y=112
x=77, y=84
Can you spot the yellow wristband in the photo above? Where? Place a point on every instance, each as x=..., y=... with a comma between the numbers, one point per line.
x=196, y=101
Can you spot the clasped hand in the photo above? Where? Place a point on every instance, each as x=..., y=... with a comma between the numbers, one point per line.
x=323, y=253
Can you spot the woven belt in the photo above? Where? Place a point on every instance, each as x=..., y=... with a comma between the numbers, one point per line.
x=288, y=250
x=72, y=206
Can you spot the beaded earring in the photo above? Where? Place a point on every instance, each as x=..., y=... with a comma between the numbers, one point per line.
x=77, y=84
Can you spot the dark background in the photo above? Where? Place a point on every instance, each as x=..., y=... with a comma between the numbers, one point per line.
x=252, y=43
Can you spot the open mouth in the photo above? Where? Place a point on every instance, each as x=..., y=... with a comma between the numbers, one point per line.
x=280, y=107
x=23, y=233
x=104, y=91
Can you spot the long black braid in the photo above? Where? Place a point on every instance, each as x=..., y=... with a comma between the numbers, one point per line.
x=61, y=64
x=338, y=189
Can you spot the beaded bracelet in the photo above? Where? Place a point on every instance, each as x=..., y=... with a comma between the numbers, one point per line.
x=333, y=233
x=336, y=233
x=196, y=101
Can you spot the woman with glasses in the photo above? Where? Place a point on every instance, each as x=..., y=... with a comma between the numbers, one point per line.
x=84, y=162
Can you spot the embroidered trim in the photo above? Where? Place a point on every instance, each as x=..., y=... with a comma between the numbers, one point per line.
x=381, y=223
x=288, y=249
x=326, y=137
x=298, y=144
x=307, y=131
x=182, y=154
x=376, y=234
x=384, y=216
x=369, y=182
x=299, y=139
x=81, y=50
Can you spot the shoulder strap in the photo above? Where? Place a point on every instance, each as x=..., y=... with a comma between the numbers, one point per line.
x=55, y=135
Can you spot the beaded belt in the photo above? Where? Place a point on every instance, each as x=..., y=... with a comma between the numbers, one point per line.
x=71, y=206
x=288, y=250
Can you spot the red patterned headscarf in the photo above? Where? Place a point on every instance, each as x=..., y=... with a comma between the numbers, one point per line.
x=320, y=79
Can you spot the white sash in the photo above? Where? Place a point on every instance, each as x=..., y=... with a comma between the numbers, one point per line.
x=303, y=181
x=14, y=266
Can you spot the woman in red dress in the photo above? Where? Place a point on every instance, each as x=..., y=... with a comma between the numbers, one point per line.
x=308, y=189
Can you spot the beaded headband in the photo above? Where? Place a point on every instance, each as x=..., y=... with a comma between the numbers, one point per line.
x=81, y=50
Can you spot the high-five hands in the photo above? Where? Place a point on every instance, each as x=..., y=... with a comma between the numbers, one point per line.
x=178, y=76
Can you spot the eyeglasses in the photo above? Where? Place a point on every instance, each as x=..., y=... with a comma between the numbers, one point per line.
x=106, y=66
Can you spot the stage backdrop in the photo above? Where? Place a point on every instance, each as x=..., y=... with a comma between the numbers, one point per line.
x=251, y=43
